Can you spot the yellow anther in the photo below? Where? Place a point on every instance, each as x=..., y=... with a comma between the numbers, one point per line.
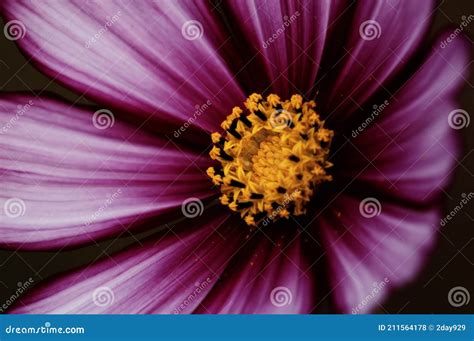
x=226, y=124
x=224, y=200
x=252, y=106
x=309, y=104
x=210, y=172
x=325, y=135
x=314, y=118
x=249, y=220
x=215, y=137
x=236, y=112
x=318, y=170
x=214, y=153
x=296, y=101
x=217, y=179
x=255, y=97
x=284, y=213
x=273, y=99
x=252, y=102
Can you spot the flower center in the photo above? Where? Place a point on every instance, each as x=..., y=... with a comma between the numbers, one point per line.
x=271, y=159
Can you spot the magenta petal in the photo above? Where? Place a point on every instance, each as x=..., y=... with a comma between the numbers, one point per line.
x=64, y=181
x=370, y=254
x=153, y=58
x=412, y=146
x=382, y=38
x=170, y=275
x=270, y=277
x=289, y=37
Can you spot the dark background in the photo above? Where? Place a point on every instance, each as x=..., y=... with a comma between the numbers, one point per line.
x=451, y=264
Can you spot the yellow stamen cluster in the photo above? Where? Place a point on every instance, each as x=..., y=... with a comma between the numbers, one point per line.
x=271, y=158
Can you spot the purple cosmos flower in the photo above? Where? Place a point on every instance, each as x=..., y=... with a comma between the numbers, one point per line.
x=365, y=161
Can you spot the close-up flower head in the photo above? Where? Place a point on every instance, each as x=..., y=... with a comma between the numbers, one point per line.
x=234, y=157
